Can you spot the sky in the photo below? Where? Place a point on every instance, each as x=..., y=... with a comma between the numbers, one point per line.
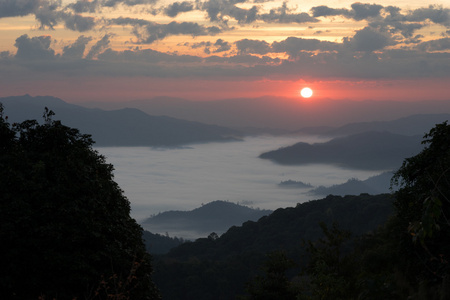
x=119, y=50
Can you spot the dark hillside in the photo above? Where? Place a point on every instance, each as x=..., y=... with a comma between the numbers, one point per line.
x=211, y=268
x=216, y=216
x=369, y=150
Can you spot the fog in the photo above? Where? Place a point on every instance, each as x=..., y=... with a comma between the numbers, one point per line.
x=157, y=180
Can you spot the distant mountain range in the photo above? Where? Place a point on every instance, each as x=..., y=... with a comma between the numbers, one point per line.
x=374, y=185
x=216, y=216
x=411, y=125
x=123, y=127
x=290, y=114
x=368, y=150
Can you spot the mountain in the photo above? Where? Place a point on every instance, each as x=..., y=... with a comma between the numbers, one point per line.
x=219, y=268
x=280, y=112
x=411, y=125
x=216, y=216
x=369, y=150
x=123, y=127
x=374, y=185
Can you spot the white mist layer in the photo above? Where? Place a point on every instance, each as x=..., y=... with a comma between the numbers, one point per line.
x=157, y=180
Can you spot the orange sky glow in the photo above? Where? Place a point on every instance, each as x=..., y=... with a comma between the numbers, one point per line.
x=120, y=50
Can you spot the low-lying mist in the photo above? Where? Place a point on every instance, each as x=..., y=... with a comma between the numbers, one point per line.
x=157, y=180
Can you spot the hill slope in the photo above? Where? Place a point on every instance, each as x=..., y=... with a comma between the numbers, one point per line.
x=369, y=150
x=219, y=268
x=124, y=127
x=373, y=185
x=216, y=216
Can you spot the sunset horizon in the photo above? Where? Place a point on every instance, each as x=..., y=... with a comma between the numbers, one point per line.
x=119, y=50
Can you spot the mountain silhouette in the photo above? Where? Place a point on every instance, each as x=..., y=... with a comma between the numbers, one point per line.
x=368, y=150
x=123, y=127
x=216, y=216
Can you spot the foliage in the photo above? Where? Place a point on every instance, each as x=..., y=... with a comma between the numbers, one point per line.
x=220, y=268
x=274, y=283
x=160, y=244
x=329, y=270
x=65, y=227
x=423, y=207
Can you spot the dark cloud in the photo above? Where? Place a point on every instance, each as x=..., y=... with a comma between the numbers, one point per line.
x=435, y=14
x=368, y=39
x=285, y=15
x=359, y=11
x=82, y=6
x=221, y=10
x=294, y=46
x=35, y=48
x=79, y=23
x=18, y=8
x=362, y=11
x=145, y=56
x=178, y=7
x=76, y=50
x=110, y=3
x=48, y=15
x=435, y=45
x=325, y=11
x=148, y=32
x=221, y=46
x=247, y=46
x=101, y=45
x=198, y=45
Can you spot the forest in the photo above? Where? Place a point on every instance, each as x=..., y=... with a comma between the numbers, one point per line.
x=66, y=233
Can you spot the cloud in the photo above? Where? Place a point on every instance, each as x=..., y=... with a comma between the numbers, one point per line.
x=435, y=14
x=178, y=7
x=79, y=23
x=145, y=57
x=48, y=15
x=294, y=46
x=359, y=11
x=148, y=32
x=221, y=46
x=35, y=48
x=76, y=50
x=368, y=39
x=435, y=45
x=18, y=8
x=101, y=45
x=110, y=3
x=247, y=46
x=284, y=15
x=221, y=10
x=325, y=11
x=82, y=6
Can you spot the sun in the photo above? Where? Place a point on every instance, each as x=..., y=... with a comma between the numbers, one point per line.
x=306, y=92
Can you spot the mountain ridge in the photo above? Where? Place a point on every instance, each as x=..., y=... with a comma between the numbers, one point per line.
x=367, y=150
x=124, y=127
x=216, y=216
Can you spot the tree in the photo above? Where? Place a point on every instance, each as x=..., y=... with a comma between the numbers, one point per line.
x=423, y=206
x=65, y=230
x=273, y=284
x=330, y=271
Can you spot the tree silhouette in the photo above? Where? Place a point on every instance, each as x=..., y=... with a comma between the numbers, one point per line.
x=65, y=230
x=423, y=205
